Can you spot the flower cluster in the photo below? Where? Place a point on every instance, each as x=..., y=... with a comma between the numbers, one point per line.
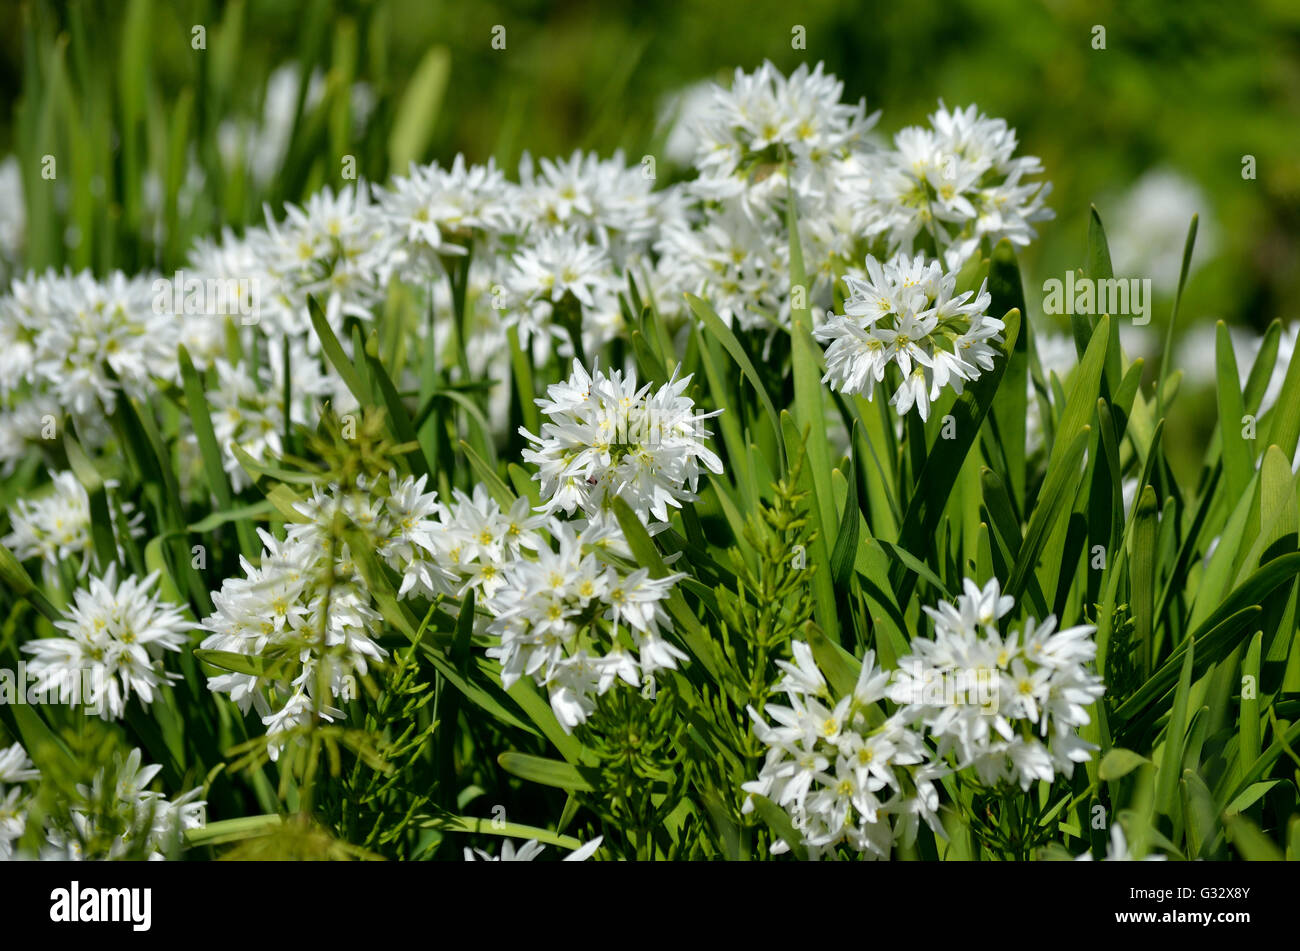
x=1041, y=688
x=83, y=341
x=116, y=816
x=577, y=623
x=56, y=527
x=116, y=635
x=1006, y=709
x=940, y=191
x=15, y=772
x=562, y=610
x=474, y=539
x=555, y=258
x=946, y=188
x=846, y=772
x=305, y=612
x=769, y=132
x=607, y=438
x=908, y=313
x=247, y=404
x=549, y=255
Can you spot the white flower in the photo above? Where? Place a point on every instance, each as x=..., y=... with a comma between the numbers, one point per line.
x=248, y=411
x=337, y=247
x=735, y=262
x=838, y=770
x=116, y=636
x=562, y=617
x=70, y=334
x=951, y=186
x=139, y=815
x=529, y=851
x=766, y=118
x=56, y=527
x=601, y=200
x=1117, y=850
x=476, y=539
x=907, y=313
x=546, y=273
x=1009, y=707
x=608, y=438
x=437, y=211
x=287, y=610
x=1005, y=709
x=15, y=766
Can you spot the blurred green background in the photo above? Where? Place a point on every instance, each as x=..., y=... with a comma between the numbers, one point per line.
x=1180, y=94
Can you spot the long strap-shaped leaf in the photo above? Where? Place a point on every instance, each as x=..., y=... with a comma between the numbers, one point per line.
x=944, y=462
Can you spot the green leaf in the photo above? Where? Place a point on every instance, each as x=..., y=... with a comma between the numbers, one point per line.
x=252, y=665
x=548, y=772
x=1118, y=763
x=267, y=470
x=1010, y=409
x=253, y=512
x=819, y=552
x=1099, y=266
x=521, y=369
x=47, y=751
x=1168, y=352
x=778, y=821
x=1059, y=489
x=809, y=406
x=483, y=693
x=1261, y=372
x=840, y=667
x=844, y=554
x=537, y=708
x=646, y=555
x=168, y=589
x=915, y=565
x=232, y=830
x=1253, y=845
x=196, y=402
x=512, y=830
x=1279, y=517
x=1238, y=461
x=333, y=351
x=417, y=110
x=1099, y=269
x=1251, y=795
x=1214, y=637
x=944, y=461
x=1080, y=406
x=1171, y=760
x=1199, y=813
x=714, y=325
x=1284, y=427
x=496, y=486
x=399, y=420
x=1142, y=574
x=1248, y=734
x=101, y=522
